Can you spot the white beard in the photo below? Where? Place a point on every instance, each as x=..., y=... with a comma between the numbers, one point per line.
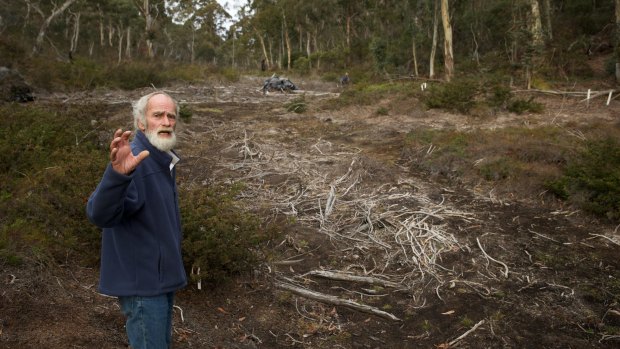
x=163, y=144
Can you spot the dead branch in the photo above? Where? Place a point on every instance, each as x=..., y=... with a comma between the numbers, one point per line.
x=493, y=259
x=456, y=340
x=353, y=278
x=323, y=298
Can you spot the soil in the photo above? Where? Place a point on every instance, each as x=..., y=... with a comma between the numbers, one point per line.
x=452, y=265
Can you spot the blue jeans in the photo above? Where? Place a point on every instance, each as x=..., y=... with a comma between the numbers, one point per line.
x=149, y=320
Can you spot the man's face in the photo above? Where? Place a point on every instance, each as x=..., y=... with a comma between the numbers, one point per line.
x=160, y=122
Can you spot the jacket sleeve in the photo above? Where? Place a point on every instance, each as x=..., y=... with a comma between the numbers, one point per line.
x=115, y=198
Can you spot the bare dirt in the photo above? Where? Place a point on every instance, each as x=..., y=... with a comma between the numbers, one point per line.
x=451, y=265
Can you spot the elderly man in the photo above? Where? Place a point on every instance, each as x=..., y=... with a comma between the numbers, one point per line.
x=136, y=204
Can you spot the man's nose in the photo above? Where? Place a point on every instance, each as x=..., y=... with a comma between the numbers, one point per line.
x=166, y=121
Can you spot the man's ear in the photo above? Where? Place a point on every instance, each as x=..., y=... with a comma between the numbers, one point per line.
x=141, y=125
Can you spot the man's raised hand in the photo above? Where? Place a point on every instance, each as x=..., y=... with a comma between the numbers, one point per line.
x=123, y=161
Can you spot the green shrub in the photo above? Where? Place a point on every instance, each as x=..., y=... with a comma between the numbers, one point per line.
x=50, y=162
x=496, y=169
x=520, y=106
x=458, y=96
x=132, y=76
x=220, y=238
x=297, y=105
x=592, y=179
x=230, y=74
x=185, y=113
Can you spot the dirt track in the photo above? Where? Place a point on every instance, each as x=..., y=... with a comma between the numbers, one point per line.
x=515, y=273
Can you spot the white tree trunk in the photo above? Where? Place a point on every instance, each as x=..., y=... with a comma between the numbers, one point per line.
x=431, y=73
x=57, y=11
x=536, y=25
x=128, y=41
x=447, y=40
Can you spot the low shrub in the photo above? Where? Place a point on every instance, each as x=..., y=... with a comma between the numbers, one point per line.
x=132, y=76
x=520, y=106
x=592, y=179
x=50, y=162
x=459, y=96
x=297, y=105
x=220, y=238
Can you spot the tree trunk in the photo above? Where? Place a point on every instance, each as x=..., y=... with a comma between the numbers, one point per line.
x=287, y=41
x=431, y=73
x=536, y=25
x=537, y=43
x=447, y=40
x=36, y=49
x=149, y=28
x=415, y=56
x=120, y=35
x=264, y=48
x=101, y=31
x=128, y=40
x=548, y=15
x=617, y=41
x=76, y=33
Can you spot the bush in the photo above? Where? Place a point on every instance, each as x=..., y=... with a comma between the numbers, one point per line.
x=520, y=106
x=297, y=105
x=50, y=163
x=592, y=179
x=137, y=75
x=458, y=95
x=220, y=238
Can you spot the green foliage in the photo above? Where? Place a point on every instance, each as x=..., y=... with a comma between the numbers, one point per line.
x=220, y=237
x=230, y=74
x=378, y=47
x=520, y=106
x=186, y=112
x=458, y=95
x=50, y=161
x=132, y=76
x=302, y=65
x=592, y=179
x=382, y=111
x=496, y=169
x=297, y=105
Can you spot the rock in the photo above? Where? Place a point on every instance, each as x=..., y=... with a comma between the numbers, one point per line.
x=13, y=88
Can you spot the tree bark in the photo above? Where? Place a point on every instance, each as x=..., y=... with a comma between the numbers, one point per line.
x=76, y=33
x=617, y=41
x=36, y=49
x=447, y=40
x=149, y=28
x=536, y=25
x=431, y=73
x=548, y=15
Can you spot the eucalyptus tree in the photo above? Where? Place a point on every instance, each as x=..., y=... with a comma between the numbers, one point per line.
x=49, y=12
x=448, y=55
x=205, y=21
x=267, y=23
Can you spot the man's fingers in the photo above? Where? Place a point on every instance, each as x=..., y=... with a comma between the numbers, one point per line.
x=113, y=154
x=143, y=154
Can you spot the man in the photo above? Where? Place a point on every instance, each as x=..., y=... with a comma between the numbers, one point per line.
x=344, y=80
x=136, y=204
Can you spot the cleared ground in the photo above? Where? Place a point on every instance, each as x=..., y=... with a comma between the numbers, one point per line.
x=377, y=253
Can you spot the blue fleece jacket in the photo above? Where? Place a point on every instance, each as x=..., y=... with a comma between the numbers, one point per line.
x=139, y=214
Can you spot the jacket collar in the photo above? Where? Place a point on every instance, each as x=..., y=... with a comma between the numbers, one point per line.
x=161, y=157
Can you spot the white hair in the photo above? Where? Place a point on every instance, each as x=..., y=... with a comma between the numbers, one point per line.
x=139, y=108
